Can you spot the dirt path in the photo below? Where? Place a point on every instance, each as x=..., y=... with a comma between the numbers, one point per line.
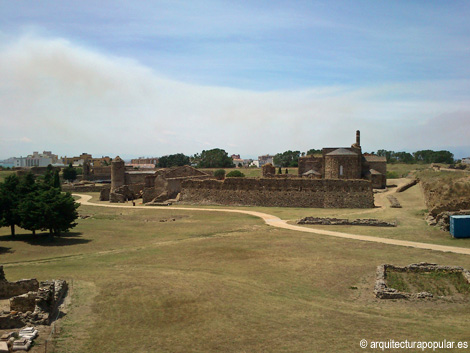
x=279, y=223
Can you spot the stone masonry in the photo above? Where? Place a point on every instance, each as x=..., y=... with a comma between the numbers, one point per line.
x=298, y=192
x=30, y=302
x=383, y=292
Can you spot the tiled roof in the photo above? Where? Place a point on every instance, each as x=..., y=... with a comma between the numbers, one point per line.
x=342, y=152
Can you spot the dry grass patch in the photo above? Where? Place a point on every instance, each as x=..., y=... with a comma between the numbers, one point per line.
x=216, y=282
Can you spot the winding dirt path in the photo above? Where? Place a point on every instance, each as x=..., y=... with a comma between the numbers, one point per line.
x=279, y=223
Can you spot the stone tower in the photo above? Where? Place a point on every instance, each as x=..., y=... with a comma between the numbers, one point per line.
x=118, y=173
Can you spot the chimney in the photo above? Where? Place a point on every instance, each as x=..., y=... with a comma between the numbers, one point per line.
x=358, y=138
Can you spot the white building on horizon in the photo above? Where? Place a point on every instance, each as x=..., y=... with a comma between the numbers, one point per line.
x=35, y=160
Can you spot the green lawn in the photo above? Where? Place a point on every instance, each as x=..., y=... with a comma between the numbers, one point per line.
x=5, y=173
x=161, y=280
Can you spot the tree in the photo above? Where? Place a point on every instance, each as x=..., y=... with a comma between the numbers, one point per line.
x=313, y=151
x=9, y=201
x=56, y=180
x=173, y=160
x=48, y=176
x=60, y=211
x=404, y=157
x=35, y=205
x=69, y=173
x=287, y=159
x=31, y=211
x=215, y=158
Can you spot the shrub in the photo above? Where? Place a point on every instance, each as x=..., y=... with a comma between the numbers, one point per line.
x=235, y=174
x=220, y=174
x=392, y=175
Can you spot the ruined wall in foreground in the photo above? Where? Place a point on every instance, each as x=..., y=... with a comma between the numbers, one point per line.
x=279, y=192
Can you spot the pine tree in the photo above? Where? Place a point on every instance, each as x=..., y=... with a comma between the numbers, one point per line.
x=60, y=211
x=69, y=173
x=56, y=180
x=31, y=211
x=9, y=201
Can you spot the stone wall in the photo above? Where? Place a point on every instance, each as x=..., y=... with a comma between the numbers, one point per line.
x=24, y=302
x=279, y=192
x=350, y=167
x=268, y=170
x=382, y=291
x=136, y=177
x=11, y=289
x=99, y=173
x=84, y=188
x=346, y=222
x=407, y=185
x=310, y=162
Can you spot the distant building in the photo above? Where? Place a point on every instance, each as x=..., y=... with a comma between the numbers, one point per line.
x=86, y=157
x=35, y=160
x=235, y=156
x=242, y=162
x=466, y=160
x=76, y=160
x=145, y=160
x=262, y=160
x=345, y=163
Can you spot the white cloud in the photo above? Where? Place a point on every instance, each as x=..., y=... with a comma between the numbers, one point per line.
x=70, y=99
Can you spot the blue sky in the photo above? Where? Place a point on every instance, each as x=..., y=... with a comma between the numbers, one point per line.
x=139, y=78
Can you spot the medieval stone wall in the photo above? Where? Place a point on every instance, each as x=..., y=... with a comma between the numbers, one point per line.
x=350, y=167
x=280, y=192
x=10, y=289
x=85, y=188
x=135, y=178
x=378, y=166
x=310, y=162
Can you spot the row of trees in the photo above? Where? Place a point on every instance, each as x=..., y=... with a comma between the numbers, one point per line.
x=214, y=158
x=423, y=156
x=218, y=158
x=36, y=204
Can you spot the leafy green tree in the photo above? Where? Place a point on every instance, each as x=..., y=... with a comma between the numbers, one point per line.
x=404, y=157
x=313, y=151
x=235, y=174
x=69, y=173
x=215, y=158
x=31, y=210
x=9, y=201
x=173, y=160
x=48, y=176
x=287, y=159
x=56, y=180
x=60, y=211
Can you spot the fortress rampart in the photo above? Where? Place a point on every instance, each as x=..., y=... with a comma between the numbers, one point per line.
x=290, y=192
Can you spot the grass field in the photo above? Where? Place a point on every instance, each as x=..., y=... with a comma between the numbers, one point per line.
x=161, y=280
x=4, y=174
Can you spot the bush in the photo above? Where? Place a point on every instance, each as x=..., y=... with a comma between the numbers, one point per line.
x=392, y=175
x=219, y=174
x=235, y=174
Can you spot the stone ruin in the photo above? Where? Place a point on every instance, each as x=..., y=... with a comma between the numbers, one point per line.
x=31, y=302
x=346, y=222
x=268, y=170
x=151, y=186
x=345, y=163
x=382, y=291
